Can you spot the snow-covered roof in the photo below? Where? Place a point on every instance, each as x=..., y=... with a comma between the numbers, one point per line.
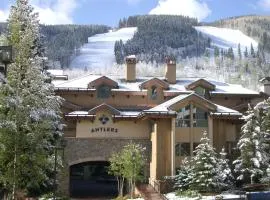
x=165, y=106
x=221, y=110
x=122, y=113
x=180, y=86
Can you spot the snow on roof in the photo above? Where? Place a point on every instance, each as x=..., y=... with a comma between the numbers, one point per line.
x=124, y=113
x=81, y=82
x=180, y=86
x=78, y=113
x=164, y=106
x=131, y=56
x=224, y=110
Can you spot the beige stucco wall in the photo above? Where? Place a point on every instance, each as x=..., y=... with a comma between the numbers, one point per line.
x=160, y=164
x=117, y=129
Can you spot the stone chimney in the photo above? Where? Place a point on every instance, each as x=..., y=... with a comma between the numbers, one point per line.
x=131, y=68
x=170, y=74
x=266, y=85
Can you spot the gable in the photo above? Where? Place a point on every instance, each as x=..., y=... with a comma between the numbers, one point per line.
x=196, y=100
x=180, y=101
x=156, y=82
x=104, y=107
x=201, y=83
x=103, y=81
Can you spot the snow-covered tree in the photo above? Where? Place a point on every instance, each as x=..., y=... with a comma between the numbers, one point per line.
x=184, y=175
x=224, y=175
x=204, y=166
x=263, y=109
x=30, y=118
x=249, y=164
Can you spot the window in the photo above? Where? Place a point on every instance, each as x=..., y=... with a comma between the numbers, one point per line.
x=230, y=147
x=154, y=93
x=195, y=144
x=182, y=149
x=199, y=118
x=200, y=91
x=103, y=92
x=183, y=117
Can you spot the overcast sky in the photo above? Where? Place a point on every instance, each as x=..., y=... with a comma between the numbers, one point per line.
x=109, y=12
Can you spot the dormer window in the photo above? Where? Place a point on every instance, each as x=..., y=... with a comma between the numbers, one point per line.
x=201, y=87
x=200, y=91
x=154, y=93
x=103, y=92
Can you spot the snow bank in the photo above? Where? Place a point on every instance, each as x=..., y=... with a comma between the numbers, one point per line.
x=172, y=196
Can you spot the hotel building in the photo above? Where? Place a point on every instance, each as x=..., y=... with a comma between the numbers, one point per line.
x=166, y=115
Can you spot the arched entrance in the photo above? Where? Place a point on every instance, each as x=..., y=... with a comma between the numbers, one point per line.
x=91, y=179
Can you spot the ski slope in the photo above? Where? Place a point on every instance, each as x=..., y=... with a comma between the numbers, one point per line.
x=225, y=38
x=99, y=51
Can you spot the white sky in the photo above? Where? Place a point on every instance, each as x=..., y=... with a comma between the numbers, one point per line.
x=191, y=8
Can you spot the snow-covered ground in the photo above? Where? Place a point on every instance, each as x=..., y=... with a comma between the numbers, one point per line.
x=172, y=196
x=99, y=51
x=225, y=38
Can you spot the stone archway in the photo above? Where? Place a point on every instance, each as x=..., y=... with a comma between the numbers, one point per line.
x=82, y=150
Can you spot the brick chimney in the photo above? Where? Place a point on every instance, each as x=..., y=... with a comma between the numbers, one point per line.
x=266, y=85
x=131, y=68
x=170, y=74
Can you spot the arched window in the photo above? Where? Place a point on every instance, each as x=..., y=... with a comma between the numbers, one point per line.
x=103, y=92
x=154, y=93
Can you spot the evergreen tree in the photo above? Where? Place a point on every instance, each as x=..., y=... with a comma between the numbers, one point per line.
x=246, y=52
x=230, y=53
x=204, y=167
x=184, y=176
x=239, y=51
x=216, y=52
x=119, y=52
x=252, y=52
x=29, y=111
x=224, y=176
x=249, y=164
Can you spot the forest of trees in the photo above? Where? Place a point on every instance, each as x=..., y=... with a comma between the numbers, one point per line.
x=159, y=36
x=62, y=41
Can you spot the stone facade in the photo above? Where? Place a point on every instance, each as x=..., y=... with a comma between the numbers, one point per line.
x=79, y=150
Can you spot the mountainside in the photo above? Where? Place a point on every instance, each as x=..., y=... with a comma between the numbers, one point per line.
x=257, y=27
x=99, y=51
x=159, y=36
x=225, y=38
x=62, y=41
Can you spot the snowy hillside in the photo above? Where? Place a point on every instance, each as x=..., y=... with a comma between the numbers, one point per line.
x=225, y=38
x=99, y=51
